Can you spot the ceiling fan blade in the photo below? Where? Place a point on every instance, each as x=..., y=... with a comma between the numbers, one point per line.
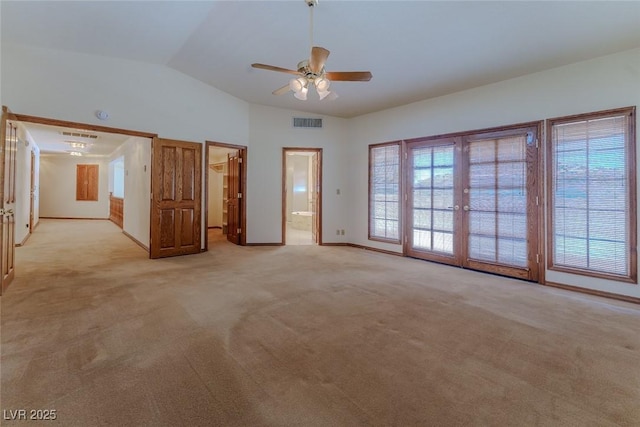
x=273, y=68
x=284, y=89
x=349, y=76
x=319, y=56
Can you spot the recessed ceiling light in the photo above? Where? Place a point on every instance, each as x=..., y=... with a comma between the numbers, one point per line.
x=77, y=144
x=75, y=153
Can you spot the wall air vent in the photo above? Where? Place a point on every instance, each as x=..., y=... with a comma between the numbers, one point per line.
x=304, y=122
x=79, y=135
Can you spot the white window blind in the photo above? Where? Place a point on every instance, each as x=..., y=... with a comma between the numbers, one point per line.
x=384, y=192
x=432, y=196
x=592, y=213
x=498, y=200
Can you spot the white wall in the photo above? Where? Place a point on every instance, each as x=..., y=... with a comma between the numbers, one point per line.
x=58, y=187
x=138, y=96
x=604, y=83
x=270, y=130
x=137, y=187
x=22, y=207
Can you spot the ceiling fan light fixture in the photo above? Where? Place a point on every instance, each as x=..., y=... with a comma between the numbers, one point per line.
x=297, y=84
x=322, y=84
x=301, y=94
x=323, y=94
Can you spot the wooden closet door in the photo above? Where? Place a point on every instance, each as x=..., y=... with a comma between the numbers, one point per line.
x=233, y=198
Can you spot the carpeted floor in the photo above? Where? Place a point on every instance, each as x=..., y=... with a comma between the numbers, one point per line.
x=301, y=335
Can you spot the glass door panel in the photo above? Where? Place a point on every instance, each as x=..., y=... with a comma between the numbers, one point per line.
x=431, y=213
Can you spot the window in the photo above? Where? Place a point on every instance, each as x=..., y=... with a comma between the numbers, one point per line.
x=87, y=182
x=592, y=191
x=384, y=192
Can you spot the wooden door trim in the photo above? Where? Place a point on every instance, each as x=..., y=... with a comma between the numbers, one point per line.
x=285, y=150
x=32, y=192
x=242, y=152
x=6, y=116
x=78, y=125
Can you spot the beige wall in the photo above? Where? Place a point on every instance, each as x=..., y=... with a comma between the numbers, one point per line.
x=58, y=188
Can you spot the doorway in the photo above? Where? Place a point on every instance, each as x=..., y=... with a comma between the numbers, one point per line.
x=301, y=196
x=225, y=181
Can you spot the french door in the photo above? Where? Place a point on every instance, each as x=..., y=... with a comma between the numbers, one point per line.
x=472, y=201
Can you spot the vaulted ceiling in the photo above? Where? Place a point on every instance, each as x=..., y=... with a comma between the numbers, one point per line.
x=415, y=49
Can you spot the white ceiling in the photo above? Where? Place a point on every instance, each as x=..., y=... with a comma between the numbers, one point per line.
x=50, y=140
x=415, y=49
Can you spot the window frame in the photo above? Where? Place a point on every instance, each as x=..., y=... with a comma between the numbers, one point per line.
x=631, y=177
x=372, y=236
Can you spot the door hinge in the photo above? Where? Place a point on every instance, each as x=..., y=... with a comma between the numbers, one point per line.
x=406, y=155
x=405, y=197
x=239, y=159
x=537, y=143
x=239, y=230
x=538, y=258
x=239, y=195
x=537, y=201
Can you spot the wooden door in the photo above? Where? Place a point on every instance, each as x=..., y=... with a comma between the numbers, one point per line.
x=176, y=198
x=8, y=145
x=234, y=196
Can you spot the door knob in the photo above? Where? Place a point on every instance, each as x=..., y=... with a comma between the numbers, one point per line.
x=456, y=207
x=466, y=208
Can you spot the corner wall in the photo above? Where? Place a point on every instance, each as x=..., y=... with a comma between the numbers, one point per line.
x=271, y=129
x=137, y=187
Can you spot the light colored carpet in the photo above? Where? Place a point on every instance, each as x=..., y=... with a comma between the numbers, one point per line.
x=302, y=335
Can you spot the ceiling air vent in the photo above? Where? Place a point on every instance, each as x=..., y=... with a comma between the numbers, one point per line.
x=79, y=135
x=303, y=122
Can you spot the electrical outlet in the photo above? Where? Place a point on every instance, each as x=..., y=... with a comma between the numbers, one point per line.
x=338, y=191
x=342, y=232
x=337, y=232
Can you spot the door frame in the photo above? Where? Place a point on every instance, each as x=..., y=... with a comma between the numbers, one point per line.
x=242, y=152
x=32, y=189
x=318, y=178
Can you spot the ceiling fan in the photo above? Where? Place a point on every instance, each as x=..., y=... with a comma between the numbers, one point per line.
x=311, y=72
